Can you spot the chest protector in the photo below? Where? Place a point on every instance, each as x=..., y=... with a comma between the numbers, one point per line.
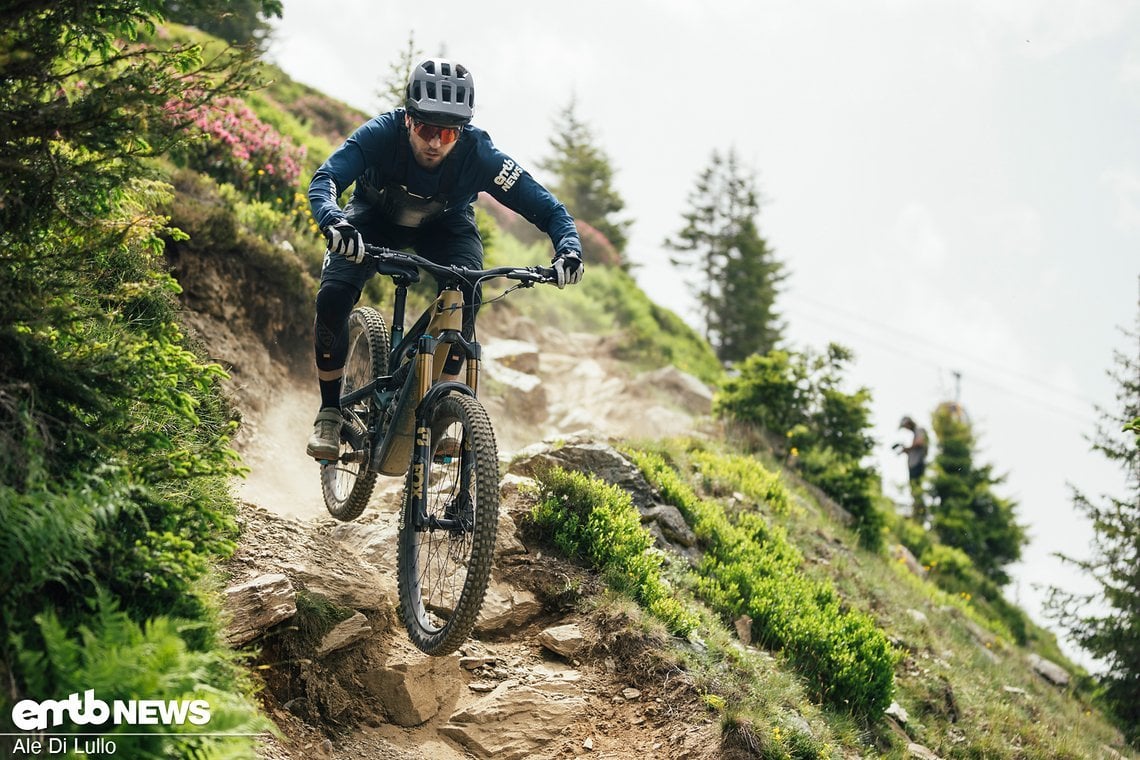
x=391, y=198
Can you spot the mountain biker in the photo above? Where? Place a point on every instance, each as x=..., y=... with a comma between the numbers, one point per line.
x=417, y=171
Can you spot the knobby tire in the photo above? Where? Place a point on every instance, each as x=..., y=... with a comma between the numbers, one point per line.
x=347, y=484
x=443, y=574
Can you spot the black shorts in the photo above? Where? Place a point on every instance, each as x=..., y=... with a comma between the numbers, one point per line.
x=917, y=471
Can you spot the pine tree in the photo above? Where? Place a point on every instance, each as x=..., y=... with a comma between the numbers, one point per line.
x=967, y=513
x=393, y=89
x=584, y=177
x=738, y=274
x=1112, y=633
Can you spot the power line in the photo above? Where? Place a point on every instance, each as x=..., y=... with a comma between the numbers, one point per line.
x=1037, y=403
x=1020, y=376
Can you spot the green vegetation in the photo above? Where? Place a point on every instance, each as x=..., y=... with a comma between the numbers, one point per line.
x=968, y=514
x=114, y=437
x=817, y=427
x=1107, y=624
x=750, y=568
x=584, y=180
x=737, y=274
x=590, y=520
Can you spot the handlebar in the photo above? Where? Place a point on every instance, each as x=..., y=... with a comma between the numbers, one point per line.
x=404, y=260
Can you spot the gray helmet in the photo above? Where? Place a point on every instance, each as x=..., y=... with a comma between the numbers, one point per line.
x=441, y=92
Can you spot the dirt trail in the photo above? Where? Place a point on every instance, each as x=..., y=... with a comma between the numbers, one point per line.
x=583, y=389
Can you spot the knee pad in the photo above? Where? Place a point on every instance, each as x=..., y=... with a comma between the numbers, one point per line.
x=334, y=303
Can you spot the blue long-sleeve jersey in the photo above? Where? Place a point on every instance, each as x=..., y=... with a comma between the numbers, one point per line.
x=377, y=155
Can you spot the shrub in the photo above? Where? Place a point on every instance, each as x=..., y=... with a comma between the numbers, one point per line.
x=231, y=144
x=726, y=474
x=797, y=398
x=751, y=567
x=590, y=520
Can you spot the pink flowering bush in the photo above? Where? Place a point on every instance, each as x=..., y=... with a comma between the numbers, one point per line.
x=231, y=144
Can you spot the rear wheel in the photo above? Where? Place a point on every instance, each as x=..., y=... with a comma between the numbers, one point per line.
x=347, y=483
x=443, y=571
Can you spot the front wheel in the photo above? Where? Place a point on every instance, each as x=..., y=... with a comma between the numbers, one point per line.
x=347, y=483
x=444, y=555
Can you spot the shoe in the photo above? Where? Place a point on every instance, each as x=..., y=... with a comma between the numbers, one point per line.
x=447, y=449
x=324, y=445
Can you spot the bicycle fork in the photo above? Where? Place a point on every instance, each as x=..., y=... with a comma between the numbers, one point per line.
x=457, y=515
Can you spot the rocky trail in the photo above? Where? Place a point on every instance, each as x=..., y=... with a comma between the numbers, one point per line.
x=539, y=679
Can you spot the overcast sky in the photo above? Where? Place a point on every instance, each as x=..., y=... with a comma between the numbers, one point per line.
x=954, y=187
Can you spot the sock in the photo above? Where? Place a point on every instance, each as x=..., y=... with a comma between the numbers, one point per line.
x=330, y=393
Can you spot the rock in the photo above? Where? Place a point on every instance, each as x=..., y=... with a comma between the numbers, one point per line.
x=515, y=721
x=921, y=752
x=598, y=459
x=527, y=394
x=518, y=355
x=412, y=686
x=506, y=608
x=566, y=640
x=743, y=627
x=507, y=542
x=474, y=663
x=898, y=712
x=1050, y=671
x=905, y=557
x=346, y=633
x=256, y=605
x=673, y=526
x=689, y=393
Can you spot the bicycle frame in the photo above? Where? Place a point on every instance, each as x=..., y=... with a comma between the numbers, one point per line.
x=404, y=441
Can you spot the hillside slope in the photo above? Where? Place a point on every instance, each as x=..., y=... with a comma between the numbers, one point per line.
x=625, y=691
x=340, y=680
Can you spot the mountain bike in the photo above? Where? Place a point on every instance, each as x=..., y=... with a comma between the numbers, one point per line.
x=401, y=421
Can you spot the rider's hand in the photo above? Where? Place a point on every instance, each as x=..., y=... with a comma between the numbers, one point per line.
x=568, y=267
x=345, y=240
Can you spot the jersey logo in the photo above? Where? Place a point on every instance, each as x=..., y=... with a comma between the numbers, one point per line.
x=508, y=175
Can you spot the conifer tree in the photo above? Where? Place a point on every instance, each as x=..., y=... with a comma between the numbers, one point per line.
x=394, y=87
x=1107, y=623
x=584, y=177
x=967, y=513
x=737, y=273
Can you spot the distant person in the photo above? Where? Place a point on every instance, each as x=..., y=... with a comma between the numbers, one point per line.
x=916, y=464
x=417, y=171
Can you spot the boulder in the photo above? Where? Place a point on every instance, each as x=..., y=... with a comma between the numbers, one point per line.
x=598, y=459
x=1049, y=670
x=258, y=604
x=412, y=686
x=566, y=640
x=516, y=721
x=686, y=391
x=345, y=634
x=506, y=608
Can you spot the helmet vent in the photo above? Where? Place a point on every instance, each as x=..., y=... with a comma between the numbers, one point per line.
x=445, y=69
x=446, y=93
x=430, y=90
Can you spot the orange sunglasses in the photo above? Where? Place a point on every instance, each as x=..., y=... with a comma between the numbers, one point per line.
x=428, y=132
